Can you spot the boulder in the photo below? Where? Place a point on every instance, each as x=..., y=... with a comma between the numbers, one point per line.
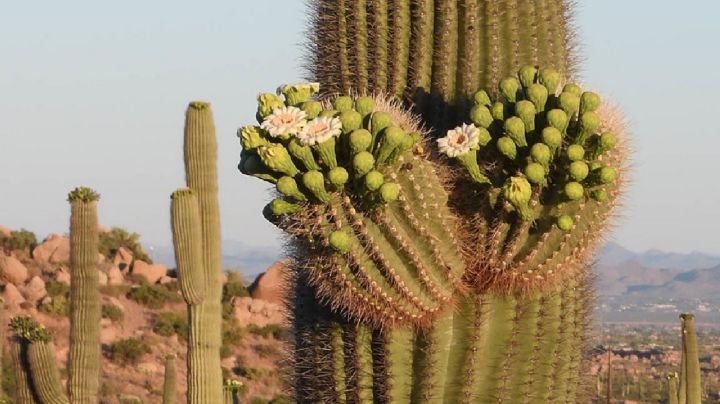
x=55, y=249
x=12, y=270
x=152, y=273
x=123, y=259
x=270, y=286
x=35, y=289
x=115, y=276
x=12, y=295
x=165, y=280
x=258, y=312
x=4, y=231
x=63, y=275
x=102, y=278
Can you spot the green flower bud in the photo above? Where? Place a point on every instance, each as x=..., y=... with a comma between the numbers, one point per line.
x=587, y=124
x=574, y=190
x=343, y=103
x=250, y=164
x=303, y=153
x=389, y=192
x=599, y=195
x=483, y=137
x=288, y=187
x=535, y=173
x=550, y=78
x=517, y=191
x=558, y=119
x=328, y=113
x=280, y=207
x=480, y=115
x=252, y=137
x=498, y=111
x=315, y=182
x=552, y=137
x=374, y=180
x=527, y=75
x=365, y=105
x=482, y=98
x=572, y=88
x=379, y=121
x=538, y=94
x=565, y=223
x=363, y=163
x=589, y=102
x=569, y=102
x=360, y=140
x=575, y=152
x=515, y=129
x=338, y=176
x=277, y=158
x=267, y=102
x=526, y=111
x=506, y=147
x=540, y=153
x=312, y=109
x=392, y=138
x=607, y=175
x=603, y=143
x=350, y=120
x=509, y=88
x=296, y=94
x=579, y=170
x=340, y=241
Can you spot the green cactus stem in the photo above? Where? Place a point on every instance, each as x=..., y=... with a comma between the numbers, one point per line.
x=169, y=383
x=23, y=380
x=690, y=391
x=84, y=357
x=187, y=240
x=672, y=388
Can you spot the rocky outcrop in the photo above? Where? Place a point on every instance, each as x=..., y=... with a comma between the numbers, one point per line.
x=12, y=296
x=152, y=273
x=270, y=286
x=258, y=312
x=12, y=270
x=123, y=259
x=63, y=275
x=4, y=231
x=55, y=250
x=35, y=289
x=115, y=276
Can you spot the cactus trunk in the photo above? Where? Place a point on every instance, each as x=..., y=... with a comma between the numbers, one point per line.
x=84, y=360
x=170, y=385
x=46, y=377
x=23, y=380
x=690, y=384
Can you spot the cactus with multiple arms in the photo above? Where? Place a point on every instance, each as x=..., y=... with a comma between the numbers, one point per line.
x=196, y=238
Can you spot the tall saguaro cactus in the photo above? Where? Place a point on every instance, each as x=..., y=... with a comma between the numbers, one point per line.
x=196, y=237
x=690, y=390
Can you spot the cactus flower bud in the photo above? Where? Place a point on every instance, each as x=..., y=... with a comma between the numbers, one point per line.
x=515, y=129
x=374, y=180
x=575, y=152
x=303, y=153
x=538, y=94
x=389, y=192
x=252, y=137
x=550, y=78
x=288, y=187
x=587, y=124
x=267, y=102
x=277, y=158
x=328, y=113
x=360, y=140
x=338, y=176
x=315, y=182
x=363, y=163
x=558, y=119
x=535, y=173
x=484, y=137
x=589, y=102
x=574, y=190
x=365, y=105
x=509, y=88
x=552, y=137
x=378, y=121
x=527, y=75
x=565, y=223
x=540, y=153
x=599, y=195
x=350, y=120
x=340, y=241
x=569, y=102
x=572, y=88
x=605, y=142
x=579, y=170
x=392, y=138
x=595, y=165
x=312, y=109
x=482, y=98
x=250, y=164
x=606, y=175
x=296, y=94
x=506, y=147
x=280, y=207
x=498, y=111
x=517, y=191
x=480, y=115
x=343, y=103
x=526, y=111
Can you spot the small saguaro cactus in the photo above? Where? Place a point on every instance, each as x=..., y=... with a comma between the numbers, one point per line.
x=672, y=388
x=232, y=390
x=170, y=384
x=690, y=389
x=196, y=238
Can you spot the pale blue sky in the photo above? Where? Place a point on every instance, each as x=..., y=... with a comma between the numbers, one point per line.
x=93, y=92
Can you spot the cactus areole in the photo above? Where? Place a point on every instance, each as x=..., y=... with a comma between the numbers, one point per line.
x=443, y=188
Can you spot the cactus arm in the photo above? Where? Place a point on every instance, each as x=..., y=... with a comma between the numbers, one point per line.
x=566, y=344
x=379, y=41
x=517, y=373
x=84, y=357
x=187, y=243
x=364, y=357
x=400, y=38
x=23, y=381
x=543, y=363
x=421, y=44
x=361, y=44
x=470, y=53
x=398, y=355
x=338, y=352
x=672, y=388
x=343, y=46
x=45, y=374
x=170, y=383
x=445, y=50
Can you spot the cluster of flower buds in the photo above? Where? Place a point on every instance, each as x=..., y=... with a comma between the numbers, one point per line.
x=311, y=150
x=539, y=139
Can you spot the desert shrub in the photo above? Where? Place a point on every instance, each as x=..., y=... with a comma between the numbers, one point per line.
x=114, y=290
x=265, y=350
x=22, y=240
x=170, y=323
x=58, y=306
x=112, y=312
x=109, y=243
x=235, y=286
x=152, y=296
x=55, y=288
x=271, y=330
x=127, y=351
x=232, y=335
x=227, y=311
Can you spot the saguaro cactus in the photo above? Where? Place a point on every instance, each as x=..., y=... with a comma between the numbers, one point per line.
x=672, y=388
x=196, y=237
x=170, y=384
x=690, y=390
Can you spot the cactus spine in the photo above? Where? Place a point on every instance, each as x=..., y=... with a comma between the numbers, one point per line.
x=84, y=361
x=170, y=384
x=690, y=391
x=196, y=237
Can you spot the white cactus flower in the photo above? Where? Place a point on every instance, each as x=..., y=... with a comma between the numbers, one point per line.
x=319, y=130
x=460, y=140
x=284, y=121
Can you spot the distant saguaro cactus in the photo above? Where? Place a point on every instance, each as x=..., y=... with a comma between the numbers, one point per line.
x=196, y=238
x=690, y=390
x=170, y=384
